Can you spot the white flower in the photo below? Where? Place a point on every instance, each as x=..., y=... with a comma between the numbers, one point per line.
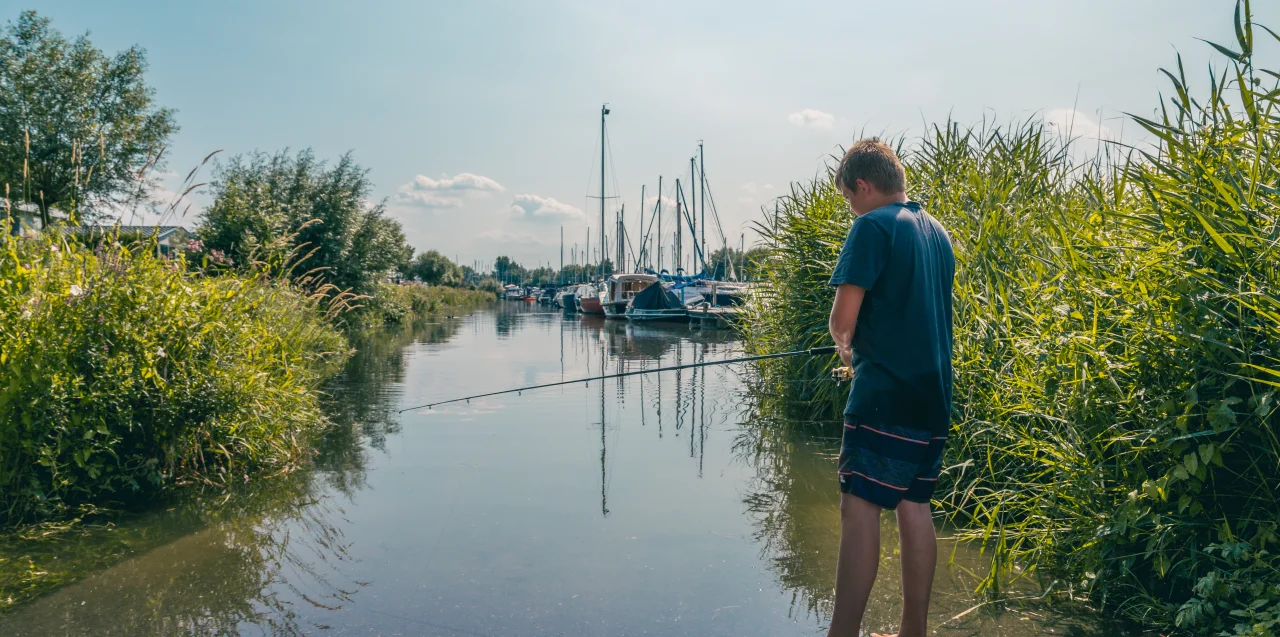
x=76, y=290
x=159, y=352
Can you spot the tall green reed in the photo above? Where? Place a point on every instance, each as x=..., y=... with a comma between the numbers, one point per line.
x=1117, y=335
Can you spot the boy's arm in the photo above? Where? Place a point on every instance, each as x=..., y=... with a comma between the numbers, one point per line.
x=844, y=319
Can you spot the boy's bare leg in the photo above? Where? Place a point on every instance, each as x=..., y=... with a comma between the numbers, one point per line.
x=919, y=557
x=856, y=565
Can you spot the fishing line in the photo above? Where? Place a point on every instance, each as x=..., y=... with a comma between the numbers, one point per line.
x=815, y=351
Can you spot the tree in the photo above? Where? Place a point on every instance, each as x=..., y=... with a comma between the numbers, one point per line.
x=507, y=270
x=745, y=266
x=297, y=210
x=77, y=127
x=434, y=268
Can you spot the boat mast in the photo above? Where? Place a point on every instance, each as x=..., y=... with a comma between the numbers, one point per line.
x=677, y=257
x=643, y=238
x=692, y=203
x=621, y=248
x=604, y=110
x=561, y=255
x=702, y=180
x=659, y=224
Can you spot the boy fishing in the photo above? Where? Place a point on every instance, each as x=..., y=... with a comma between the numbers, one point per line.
x=891, y=322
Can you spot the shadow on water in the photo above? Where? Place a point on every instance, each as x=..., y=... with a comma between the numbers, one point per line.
x=669, y=504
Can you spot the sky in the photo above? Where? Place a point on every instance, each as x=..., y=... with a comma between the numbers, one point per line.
x=479, y=120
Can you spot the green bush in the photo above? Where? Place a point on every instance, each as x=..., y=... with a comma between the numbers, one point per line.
x=1117, y=333
x=123, y=375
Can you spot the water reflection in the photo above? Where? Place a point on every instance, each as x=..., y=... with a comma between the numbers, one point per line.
x=270, y=558
x=249, y=561
x=795, y=507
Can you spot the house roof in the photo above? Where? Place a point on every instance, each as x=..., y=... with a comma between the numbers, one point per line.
x=146, y=231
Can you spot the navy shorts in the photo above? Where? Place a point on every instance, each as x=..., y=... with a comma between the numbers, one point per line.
x=886, y=464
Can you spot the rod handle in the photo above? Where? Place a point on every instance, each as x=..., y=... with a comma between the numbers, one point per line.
x=816, y=351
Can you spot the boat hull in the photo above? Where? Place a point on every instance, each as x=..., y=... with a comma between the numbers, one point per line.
x=673, y=315
x=589, y=305
x=616, y=309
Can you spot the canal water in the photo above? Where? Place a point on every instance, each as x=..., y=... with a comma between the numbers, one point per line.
x=650, y=505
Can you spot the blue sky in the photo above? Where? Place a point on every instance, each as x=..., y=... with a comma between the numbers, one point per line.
x=479, y=120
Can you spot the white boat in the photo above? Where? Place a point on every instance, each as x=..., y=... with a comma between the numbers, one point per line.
x=619, y=291
x=512, y=292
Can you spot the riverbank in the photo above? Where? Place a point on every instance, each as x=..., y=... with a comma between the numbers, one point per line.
x=1115, y=429
x=131, y=380
x=403, y=302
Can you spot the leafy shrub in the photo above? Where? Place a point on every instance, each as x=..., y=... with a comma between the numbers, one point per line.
x=122, y=375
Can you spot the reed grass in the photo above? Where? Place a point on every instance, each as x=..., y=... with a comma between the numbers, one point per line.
x=391, y=303
x=1116, y=352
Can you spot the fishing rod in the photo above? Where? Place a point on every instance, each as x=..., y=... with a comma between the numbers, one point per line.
x=813, y=351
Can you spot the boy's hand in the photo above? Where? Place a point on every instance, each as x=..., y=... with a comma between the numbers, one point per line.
x=846, y=355
x=842, y=374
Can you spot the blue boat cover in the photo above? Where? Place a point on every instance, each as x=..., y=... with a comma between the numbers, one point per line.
x=656, y=297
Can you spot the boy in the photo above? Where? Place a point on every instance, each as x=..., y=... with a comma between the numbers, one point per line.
x=891, y=321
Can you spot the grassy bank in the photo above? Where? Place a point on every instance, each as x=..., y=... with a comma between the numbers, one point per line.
x=392, y=303
x=1117, y=335
x=125, y=375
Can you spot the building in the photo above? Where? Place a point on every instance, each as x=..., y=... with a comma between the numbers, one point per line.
x=169, y=239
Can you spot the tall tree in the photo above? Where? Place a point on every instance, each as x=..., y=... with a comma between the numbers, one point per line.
x=296, y=209
x=77, y=126
x=434, y=268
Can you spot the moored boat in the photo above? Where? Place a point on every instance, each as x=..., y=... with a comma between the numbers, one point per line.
x=564, y=299
x=619, y=291
x=588, y=297
x=657, y=303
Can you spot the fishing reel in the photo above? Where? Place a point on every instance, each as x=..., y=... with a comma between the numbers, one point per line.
x=841, y=374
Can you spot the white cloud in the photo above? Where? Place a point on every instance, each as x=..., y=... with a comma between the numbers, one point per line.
x=754, y=194
x=445, y=192
x=1073, y=124
x=460, y=181
x=533, y=206
x=427, y=200
x=753, y=189
x=812, y=118
x=498, y=235
x=652, y=200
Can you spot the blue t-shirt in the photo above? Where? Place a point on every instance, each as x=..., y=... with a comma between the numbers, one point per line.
x=903, y=258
